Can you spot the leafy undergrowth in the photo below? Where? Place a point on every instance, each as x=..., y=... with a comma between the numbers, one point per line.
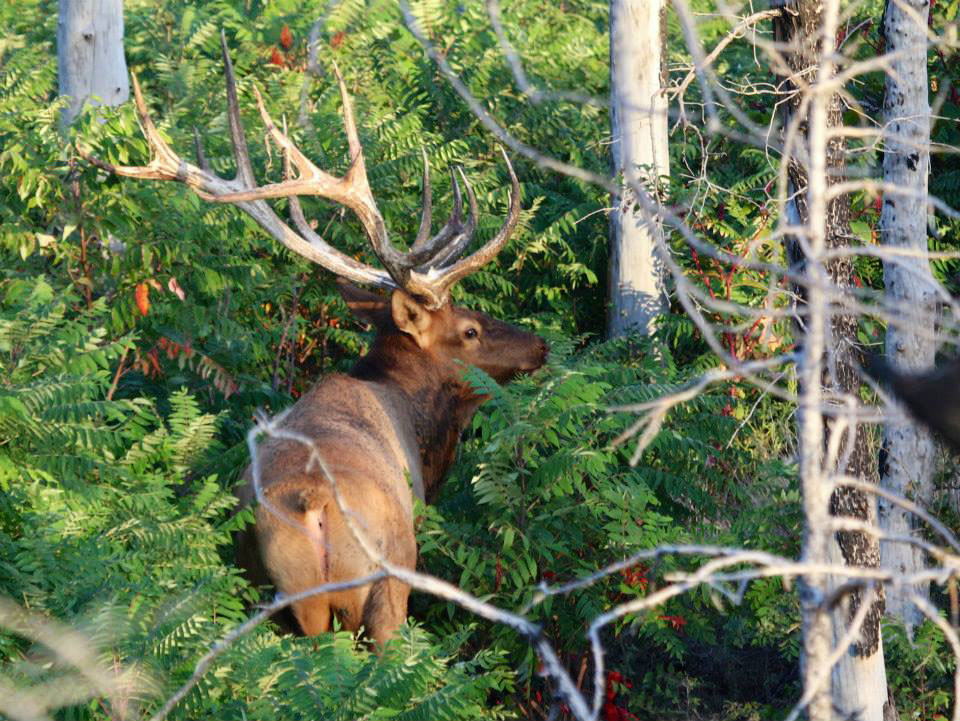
x=108, y=521
x=141, y=328
x=98, y=527
x=541, y=494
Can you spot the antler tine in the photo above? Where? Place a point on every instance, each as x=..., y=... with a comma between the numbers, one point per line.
x=311, y=181
x=296, y=209
x=240, y=151
x=435, y=284
x=455, y=221
x=358, y=165
x=424, y=254
x=426, y=217
x=397, y=264
x=164, y=163
x=460, y=235
x=198, y=151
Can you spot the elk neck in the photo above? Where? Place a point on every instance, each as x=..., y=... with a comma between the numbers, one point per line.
x=437, y=403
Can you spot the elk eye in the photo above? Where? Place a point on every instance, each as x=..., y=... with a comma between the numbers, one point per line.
x=470, y=333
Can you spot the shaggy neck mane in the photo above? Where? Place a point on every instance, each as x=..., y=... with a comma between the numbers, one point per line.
x=439, y=403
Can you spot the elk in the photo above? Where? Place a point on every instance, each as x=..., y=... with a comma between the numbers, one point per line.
x=395, y=420
x=932, y=397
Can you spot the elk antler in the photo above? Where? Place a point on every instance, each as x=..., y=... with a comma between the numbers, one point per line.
x=429, y=269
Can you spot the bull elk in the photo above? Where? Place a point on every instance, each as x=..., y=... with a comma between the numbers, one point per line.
x=397, y=415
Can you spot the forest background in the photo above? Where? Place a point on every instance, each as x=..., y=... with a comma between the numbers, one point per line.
x=140, y=330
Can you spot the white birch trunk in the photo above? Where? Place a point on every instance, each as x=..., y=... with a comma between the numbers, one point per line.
x=638, y=117
x=856, y=687
x=90, y=56
x=908, y=282
x=859, y=681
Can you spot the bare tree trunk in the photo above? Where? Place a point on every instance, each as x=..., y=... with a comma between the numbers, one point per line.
x=638, y=116
x=910, y=451
x=859, y=688
x=90, y=56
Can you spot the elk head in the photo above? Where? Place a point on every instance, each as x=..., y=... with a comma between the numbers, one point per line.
x=445, y=335
x=426, y=271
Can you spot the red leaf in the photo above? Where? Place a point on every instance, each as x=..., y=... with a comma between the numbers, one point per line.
x=154, y=362
x=337, y=40
x=276, y=58
x=678, y=622
x=635, y=577
x=286, y=38
x=142, y=298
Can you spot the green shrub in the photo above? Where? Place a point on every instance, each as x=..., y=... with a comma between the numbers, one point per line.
x=99, y=528
x=122, y=429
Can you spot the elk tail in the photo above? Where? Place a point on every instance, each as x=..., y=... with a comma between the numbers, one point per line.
x=313, y=498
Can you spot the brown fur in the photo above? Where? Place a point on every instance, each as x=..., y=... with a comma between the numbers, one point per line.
x=398, y=415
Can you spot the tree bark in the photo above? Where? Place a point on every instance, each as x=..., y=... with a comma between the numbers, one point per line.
x=90, y=60
x=638, y=117
x=908, y=282
x=858, y=688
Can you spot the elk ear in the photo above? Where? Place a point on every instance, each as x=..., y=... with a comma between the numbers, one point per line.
x=367, y=306
x=411, y=317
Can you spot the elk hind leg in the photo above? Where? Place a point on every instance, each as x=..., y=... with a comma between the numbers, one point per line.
x=296, y=558
x=313, y=615
x=385, y=610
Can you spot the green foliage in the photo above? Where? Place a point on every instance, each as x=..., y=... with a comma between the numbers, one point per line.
x=331, y=678
x=98, y=527
x=541, y=495
x=259, y=323
x=124, y=405
x=920, y=670
x=141, y=327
